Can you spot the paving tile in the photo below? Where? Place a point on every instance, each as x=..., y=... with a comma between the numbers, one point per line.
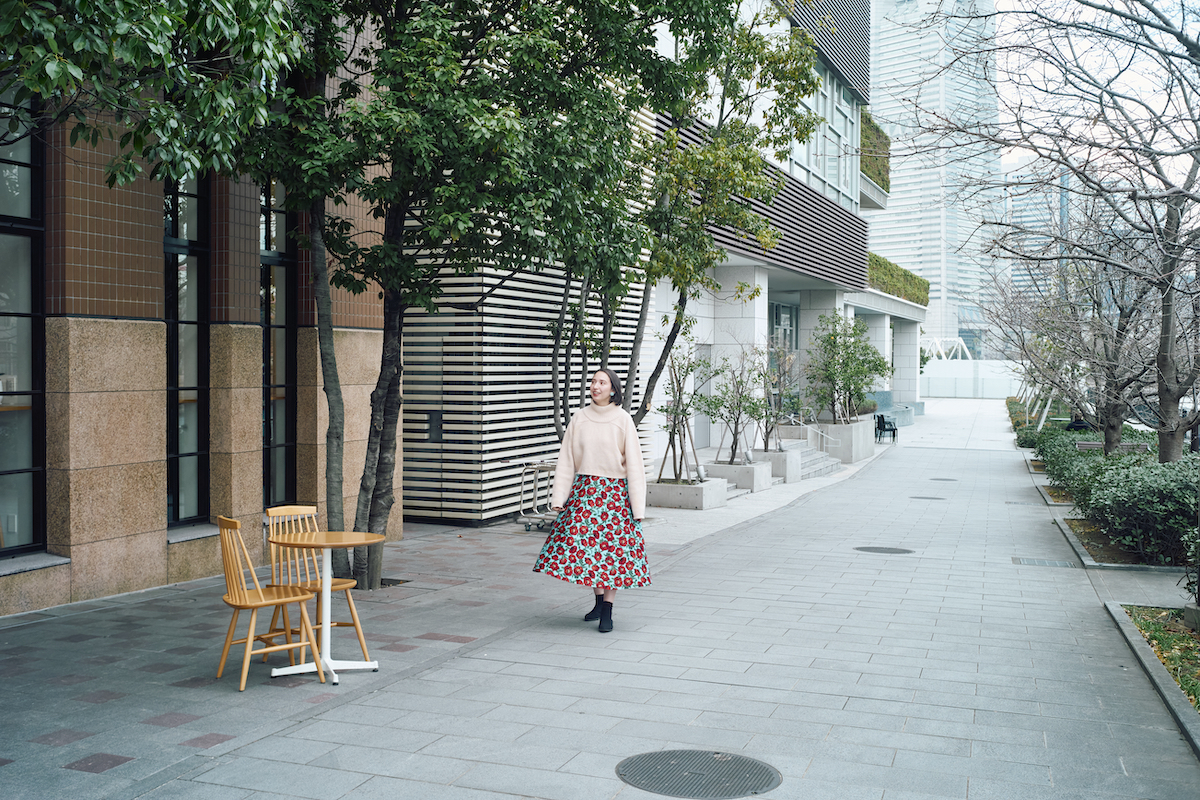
x=172, y=720
x=61, y=737
x=102, y=696
x=208, y=740
x=98, y=762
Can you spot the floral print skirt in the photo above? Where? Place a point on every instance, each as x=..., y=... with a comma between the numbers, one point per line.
x=595, y=541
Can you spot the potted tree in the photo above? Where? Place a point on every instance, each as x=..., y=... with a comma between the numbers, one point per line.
x=780, y=403
x=735, y=404
x=842, y=366
x=687, y=486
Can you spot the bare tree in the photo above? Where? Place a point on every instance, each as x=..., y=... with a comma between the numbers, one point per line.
x=1085, y=330
x=1106, y=94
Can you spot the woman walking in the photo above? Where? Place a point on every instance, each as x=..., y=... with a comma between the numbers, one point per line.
x=600, y=494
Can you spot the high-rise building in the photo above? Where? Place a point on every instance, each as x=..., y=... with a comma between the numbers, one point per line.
x=931, y=224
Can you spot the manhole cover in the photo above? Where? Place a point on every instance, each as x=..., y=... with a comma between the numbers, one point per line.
x=888, y=550
x=391, y=581
x=698, y=774
x=922, y=497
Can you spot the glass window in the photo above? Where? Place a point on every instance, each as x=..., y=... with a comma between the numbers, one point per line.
x=17, y=166
x=278, y=299
x=186, y=258
x=22, y=411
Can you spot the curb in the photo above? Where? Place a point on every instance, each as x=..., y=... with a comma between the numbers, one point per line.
x=1050, y=501
x=1090, y=563
x=1172, y=696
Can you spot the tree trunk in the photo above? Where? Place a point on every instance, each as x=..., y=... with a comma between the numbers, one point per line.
x=1112, y=423
x=335, y=434
x=652, y=381
x=369, y=511
x=635, y=351
x=1170, y=431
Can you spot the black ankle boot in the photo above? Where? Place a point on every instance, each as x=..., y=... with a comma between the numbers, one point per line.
x=594, y=614
x=605, y=617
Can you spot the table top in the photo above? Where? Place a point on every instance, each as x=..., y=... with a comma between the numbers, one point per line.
x=315, y=540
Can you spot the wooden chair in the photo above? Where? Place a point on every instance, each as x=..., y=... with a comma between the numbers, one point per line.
x=293, y=566
x=240, y=595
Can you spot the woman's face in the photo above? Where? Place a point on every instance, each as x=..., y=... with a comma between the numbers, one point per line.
x=601, y=388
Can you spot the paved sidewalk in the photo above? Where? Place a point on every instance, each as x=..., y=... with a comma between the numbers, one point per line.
x=953, y=671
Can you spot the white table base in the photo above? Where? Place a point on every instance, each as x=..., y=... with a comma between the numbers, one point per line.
x=330, y=664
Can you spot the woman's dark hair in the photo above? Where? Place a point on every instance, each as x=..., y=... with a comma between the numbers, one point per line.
x=617, y=396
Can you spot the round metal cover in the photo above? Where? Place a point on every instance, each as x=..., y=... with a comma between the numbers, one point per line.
x=951, y=480
x=923, y=497
x=698, y=774
x=889, y=550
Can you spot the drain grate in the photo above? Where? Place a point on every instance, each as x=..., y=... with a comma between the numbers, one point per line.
x=922, y=497
x=1043, y=562
x=950, y=480
x=888, y=550
x=700, y=774
x=391, y=581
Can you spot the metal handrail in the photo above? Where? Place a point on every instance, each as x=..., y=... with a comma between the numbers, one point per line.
x=828, y=440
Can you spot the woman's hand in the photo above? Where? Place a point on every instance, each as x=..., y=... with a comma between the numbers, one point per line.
x=556, y=508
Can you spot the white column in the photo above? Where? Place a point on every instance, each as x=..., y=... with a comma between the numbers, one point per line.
x=906, y=384
x=879, y=334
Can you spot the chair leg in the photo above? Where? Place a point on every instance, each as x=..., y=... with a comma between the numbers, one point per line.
x=269, y=636
x=249, y=647
x=362, y=641
x=228, y=642
x=308, y=632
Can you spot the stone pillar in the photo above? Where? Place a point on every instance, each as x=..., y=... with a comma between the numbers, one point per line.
x=236, y=433
x=879, y=334
x=739, y=323
x=906, y=384
x=106, y=444
x=813, y=304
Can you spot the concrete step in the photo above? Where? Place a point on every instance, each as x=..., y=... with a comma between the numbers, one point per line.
x=733, y=491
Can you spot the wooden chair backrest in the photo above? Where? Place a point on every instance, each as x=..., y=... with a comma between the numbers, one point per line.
x=237, y=563
x=290, y=564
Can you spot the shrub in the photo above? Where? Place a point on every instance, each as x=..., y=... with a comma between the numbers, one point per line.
x=1027, y=435
x=1148, y=508
x=1191, y=574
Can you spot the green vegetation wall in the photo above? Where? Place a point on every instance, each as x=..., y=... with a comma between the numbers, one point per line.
x=887, y=276
x=875, y=148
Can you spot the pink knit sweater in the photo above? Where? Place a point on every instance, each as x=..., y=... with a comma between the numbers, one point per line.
x=601, y=440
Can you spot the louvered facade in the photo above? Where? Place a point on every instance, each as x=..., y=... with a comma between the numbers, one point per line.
x=842, y=32
x=478, y=401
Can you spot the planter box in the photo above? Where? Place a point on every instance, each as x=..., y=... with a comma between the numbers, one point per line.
x=786, y=465
x=855, y=441
x=1191, y=616
x=712, y=493
x=755, y=477
x=792, y=432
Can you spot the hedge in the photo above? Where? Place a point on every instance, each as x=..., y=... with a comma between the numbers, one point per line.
x=875, y=149
x=893, y=279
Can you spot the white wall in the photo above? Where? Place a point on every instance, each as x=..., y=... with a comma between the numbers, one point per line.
x=961, y=378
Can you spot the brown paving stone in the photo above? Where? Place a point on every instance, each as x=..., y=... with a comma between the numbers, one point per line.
x=207, y=740
x=194, y=683
x=321, y=698
x=102, y=696
x=98, y=762
x=170, y=720
x=399, y=648
x=61, y=737
x=186, y=651
x=71, y=680
x=4, y=761
x=160, y=668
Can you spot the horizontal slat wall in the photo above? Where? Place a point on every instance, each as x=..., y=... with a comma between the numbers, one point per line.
x=487, y=376
x=819, y=239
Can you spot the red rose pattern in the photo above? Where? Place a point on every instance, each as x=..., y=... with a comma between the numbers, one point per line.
x=596, y=541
